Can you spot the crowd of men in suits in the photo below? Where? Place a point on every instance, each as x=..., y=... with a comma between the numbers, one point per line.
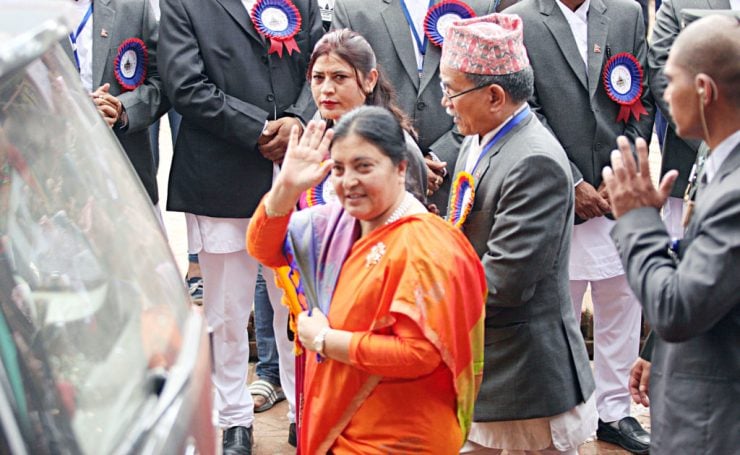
x=546, y=221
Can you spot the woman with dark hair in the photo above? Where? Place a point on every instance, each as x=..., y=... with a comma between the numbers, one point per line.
x=394, y=320
x=344, y=75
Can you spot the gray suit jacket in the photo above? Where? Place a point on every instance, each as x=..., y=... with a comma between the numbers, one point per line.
x=384, y=25
x=569, y=97
x=694, y=308
x=536, y=363
x=113, y=22
x=220, y=77
x=678, y=153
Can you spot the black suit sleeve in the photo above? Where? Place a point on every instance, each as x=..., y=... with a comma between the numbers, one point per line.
x=305, y=107
x=193, y=94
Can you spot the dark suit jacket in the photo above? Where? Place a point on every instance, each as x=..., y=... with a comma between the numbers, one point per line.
x=219, y=76
x=536, y=363
x=384, y=25
x=573, y=102
x=123, y=19
x=693, y=307
x=678, y=153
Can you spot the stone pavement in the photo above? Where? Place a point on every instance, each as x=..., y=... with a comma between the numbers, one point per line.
x=271, y=433
x=271, y=427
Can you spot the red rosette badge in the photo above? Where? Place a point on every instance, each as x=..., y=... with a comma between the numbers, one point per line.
x=440, y=16
x=280, y=21
x=130, y=64
x=623, y=76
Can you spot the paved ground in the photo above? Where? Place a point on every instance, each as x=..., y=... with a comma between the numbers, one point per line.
x=271, y=427
x=271, y=434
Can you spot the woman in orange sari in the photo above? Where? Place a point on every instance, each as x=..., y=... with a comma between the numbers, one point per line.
x=395, y=320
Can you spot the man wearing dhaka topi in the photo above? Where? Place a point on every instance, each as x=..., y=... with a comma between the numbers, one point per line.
x=512, y=194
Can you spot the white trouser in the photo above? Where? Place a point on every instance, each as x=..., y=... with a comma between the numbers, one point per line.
x=673, y=217
x=228, y=295
x=617, y=315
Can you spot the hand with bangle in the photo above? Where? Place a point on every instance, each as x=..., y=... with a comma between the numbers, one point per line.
x=312, y=329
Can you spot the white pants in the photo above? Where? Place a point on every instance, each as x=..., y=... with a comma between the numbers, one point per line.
x=228, y=296
x=673, y=217
x=617, y=315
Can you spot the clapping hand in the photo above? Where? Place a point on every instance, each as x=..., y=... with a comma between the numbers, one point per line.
x=629, y=184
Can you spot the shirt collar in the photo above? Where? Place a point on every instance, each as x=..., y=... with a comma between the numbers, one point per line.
x=720, y=153
x=580, y=13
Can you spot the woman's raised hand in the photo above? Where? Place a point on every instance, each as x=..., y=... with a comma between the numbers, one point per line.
x=306, y=161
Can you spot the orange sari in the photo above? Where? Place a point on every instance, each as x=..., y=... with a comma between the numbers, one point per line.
x=412, y=290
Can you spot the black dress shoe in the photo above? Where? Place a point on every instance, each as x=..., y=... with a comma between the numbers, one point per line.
x=237, y=441
x=292, y=437
x=630, y=435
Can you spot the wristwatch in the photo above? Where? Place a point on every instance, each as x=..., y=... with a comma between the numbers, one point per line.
x=318, y=341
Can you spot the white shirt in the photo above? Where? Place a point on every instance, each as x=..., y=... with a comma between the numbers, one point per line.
x=578, y=22
x=593, y=255
x=417, y=11
x=480, y=142
x=719, y=154
x=734, y=5
x=84, y=43
x=155, y=7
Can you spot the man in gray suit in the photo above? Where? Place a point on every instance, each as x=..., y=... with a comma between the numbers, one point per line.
x=536, y=372
x=678, y=153
x=690, y=289
x=412, y=63
x=97, y=46
x=570, y=43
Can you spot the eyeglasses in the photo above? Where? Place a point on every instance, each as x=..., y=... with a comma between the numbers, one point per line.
x=452, y=97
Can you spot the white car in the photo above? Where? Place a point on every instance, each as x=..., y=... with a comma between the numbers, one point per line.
x=101, y=350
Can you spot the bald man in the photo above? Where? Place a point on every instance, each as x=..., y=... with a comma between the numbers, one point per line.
x=690, y=289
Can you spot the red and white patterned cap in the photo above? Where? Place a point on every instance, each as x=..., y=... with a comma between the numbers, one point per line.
x=487, y=45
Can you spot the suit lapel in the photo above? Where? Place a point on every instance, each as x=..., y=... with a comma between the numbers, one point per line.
x=705, y=192
x=560, y=30
x=731, y=163
x=236, y=10
x=598, y=29
x=104, y=18
x=431, y=65
x=485, y=161
x=400, y=35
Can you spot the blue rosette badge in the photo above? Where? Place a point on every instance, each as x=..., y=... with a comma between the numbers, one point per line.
x=623, y=76
x=278, y=20
x=130, y=63
x=440, y=16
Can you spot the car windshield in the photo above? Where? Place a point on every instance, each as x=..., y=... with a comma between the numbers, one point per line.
x=92, y=301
